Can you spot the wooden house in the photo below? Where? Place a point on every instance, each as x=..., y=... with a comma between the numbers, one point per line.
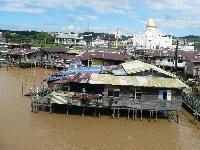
x=144, y=87
x=103, y=58
x=25, y=57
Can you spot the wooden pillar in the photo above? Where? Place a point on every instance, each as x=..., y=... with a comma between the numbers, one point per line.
x=113, y=115
x=177, y=117
x=141, y=115
x=32, y=106
x=135, y=114
x=156, y=116
x=83, y=114
x=51, y=108
x=149, y=115
x=128, y=112
x=99, y=112
x=67, y=109
x=118, y=114
x=95, y=111
x=37, y=107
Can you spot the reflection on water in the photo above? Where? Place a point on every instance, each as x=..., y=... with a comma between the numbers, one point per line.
x=20, y=129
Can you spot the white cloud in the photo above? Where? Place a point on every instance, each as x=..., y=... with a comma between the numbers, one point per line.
x=70, y=28
x=74, y=18
x=178, y=14
x=99, y=6
x=90, y=17
x=19, y=6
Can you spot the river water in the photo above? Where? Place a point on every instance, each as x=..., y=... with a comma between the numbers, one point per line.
x=20, y=129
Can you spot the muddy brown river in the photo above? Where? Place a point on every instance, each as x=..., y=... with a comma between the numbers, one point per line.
x=20, y=129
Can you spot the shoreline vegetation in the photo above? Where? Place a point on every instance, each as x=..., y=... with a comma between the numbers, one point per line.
x=45, y=39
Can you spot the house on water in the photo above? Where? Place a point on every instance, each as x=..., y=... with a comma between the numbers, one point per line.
x=133, y=86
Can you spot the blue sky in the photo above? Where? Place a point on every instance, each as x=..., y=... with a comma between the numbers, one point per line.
x=177, y=17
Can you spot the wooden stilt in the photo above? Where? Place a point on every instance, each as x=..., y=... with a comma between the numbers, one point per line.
x=177, y=117
x=156, y=116
x=83, y=111
x=36, y=108
x=99, y=112
x=135, y=114
x=31, y=106
x=94, y=111
x=67, y=110
x=113, y=115
x=51, y=109
x=149, y=115
x=128, y=112
x=118, y=114
x=141, y=115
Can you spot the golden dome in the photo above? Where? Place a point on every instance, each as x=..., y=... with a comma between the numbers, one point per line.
x=151, y=24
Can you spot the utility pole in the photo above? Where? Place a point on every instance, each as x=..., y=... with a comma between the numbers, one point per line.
x=176, y=50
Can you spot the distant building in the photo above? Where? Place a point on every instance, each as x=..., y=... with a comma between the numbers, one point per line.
x=68, y=39
x=183, y=45
x=152, y=38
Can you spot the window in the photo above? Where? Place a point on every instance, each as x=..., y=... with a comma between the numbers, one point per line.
x=116, y=92
x=180, y=61
x=168, y=60
x=110, y=92
x=136, y=94
x=172, y=60
x=113, y=92
x=165, y=95
x=160, y=59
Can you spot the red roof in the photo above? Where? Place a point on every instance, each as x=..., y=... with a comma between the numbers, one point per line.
x=186, y=55
x=55, y=50
x=22, y=51
x=105, y=56
x=80, y=78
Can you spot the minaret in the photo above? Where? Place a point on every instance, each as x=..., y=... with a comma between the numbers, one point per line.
x=117, y=39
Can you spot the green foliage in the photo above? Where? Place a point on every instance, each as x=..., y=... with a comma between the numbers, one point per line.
x=193, y=98
x=26, y=37
x=3, y=49
x=197, y=46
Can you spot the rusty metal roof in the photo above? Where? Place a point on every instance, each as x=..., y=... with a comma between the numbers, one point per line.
x=139, y=81
x=55, y=50
x=105, y=56
x=80, y=78
x=22, y=51
x=138, y=66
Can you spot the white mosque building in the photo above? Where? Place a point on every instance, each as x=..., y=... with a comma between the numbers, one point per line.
x=152, y=38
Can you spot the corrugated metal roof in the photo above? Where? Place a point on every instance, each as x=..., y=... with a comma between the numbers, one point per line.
x=105, y=56
x=185, y=55
x=138, y=66
x=139, y=81
x=80, y=78
x=55, y=50
x=22, y=51
x=68, y=36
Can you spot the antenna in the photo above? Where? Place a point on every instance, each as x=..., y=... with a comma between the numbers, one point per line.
x=88, y=29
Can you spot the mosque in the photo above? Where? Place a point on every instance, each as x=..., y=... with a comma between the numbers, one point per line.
x=152, y=38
